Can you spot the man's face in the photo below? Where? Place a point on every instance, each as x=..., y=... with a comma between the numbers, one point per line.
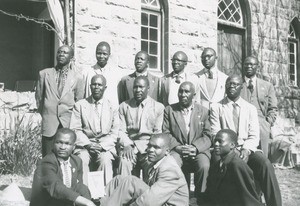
x=64, y=145
x=102, y=55
x=140, y=90
x=233, y=87
x=63, y=56
x=141, y=62
x=185, y=95
x=208, y=58
x=179, y=62
x=156, y=149
x=223, y=144
x=98, y=87
x=250, y=66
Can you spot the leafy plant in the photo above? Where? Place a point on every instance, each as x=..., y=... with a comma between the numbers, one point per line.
x=20, y=145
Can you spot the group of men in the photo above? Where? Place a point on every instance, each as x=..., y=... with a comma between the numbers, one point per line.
x=164, y=127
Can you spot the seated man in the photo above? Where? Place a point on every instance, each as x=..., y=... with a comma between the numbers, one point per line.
x=140, y=117
x=96, y=124
x=188, y=124
x=58, y=178
x=166, y=184
x=230, y=181
x=236, y=114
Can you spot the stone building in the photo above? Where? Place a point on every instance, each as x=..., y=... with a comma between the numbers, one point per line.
x=234, y=28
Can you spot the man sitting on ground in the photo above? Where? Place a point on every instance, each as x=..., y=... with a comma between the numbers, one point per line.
x=166, y=184
x=230, y=180
x=58, y=178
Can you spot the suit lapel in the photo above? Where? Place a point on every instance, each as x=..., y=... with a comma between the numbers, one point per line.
x=129, y=85
x=73, y=172
x=105, y=117
x=244, y=93
x=203, y=87
x=228, y=116
x=243, y=121
x=194, y=122
x=52, y=81
x=180, y=121
x=91, y=113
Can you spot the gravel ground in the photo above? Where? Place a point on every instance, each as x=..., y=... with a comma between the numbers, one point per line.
x=289, y=181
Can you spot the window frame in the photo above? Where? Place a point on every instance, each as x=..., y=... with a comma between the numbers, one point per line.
x=294, y=40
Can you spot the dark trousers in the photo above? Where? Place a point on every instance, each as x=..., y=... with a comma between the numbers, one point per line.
x=47, y=143
x=264, y=133
x=200, y=167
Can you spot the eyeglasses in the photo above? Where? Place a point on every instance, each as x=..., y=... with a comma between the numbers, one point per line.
x=249, y=64
x=229, y=84
x=178, y=60
x=207, y=56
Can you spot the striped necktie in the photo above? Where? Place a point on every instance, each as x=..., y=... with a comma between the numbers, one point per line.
x=235, y=116
x=67, y=178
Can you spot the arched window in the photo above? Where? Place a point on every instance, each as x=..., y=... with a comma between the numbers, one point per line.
x=293, y=56
x=233, y=34
x=153, y=25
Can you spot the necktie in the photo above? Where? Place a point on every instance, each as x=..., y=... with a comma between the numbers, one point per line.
x=67, y=178
x=151, y=174
x=250, y=86
x=98, y=120
x=61, y=80
x=210, y=74
x=235, y=116
x=177, y=80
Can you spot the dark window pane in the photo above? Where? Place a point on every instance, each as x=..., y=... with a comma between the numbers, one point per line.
x=145, y=46
x=292, y=77
x=292, y=58
x=153, y=20
x=153, y=34
x=144, y=33
x=153, y=62
x=291, y=48
x=153, y=48
x=144, y=19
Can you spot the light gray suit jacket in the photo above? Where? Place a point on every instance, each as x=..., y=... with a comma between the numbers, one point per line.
x=82, y=119
x=248, y=132
x=219, y=93
x=56, y=109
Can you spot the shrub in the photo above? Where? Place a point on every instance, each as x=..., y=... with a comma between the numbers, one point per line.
x=20, y=145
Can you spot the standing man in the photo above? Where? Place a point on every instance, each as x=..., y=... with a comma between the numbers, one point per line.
x=140, y=117
x=261, y=94
x=104, y=67
x=57, y=91
x=234, y=113
x=230, y=180
x=211, y=80
x=96, y=124
x=58, y=178
x=188, y=124
x=171, y=82
x=141, y=63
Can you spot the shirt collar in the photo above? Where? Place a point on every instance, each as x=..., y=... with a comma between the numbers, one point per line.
x=67, y=162
x=158, y=163
x=238, y=102
x=144, y=102
x=181, y=75
x=100, y=101
x=253, y=80
x=141, y=74
x=188, y=108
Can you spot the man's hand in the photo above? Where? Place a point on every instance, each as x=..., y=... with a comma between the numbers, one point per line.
x=96, y=147
x=82, y=201
x=128, y=153
x=244, y=155
x=186, y=151
x=89, y=133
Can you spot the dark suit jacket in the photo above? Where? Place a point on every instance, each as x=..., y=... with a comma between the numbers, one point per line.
x=266, y=98
x=48, y=188
x=125, y=87
x=56, y=109
x=199, y=134
x=232, y=184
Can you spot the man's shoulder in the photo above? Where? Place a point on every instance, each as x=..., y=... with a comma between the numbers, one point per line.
x=155, y=103
x=200, y=73
x=264, y=82
x=247, y=104
x=169, y=163
x=128, y=77
x=49, y=158
x=173, y=107
x=47, y=70
x=200, y=107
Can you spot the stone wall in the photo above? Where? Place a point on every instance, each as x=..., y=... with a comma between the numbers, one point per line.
x=192, y=26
